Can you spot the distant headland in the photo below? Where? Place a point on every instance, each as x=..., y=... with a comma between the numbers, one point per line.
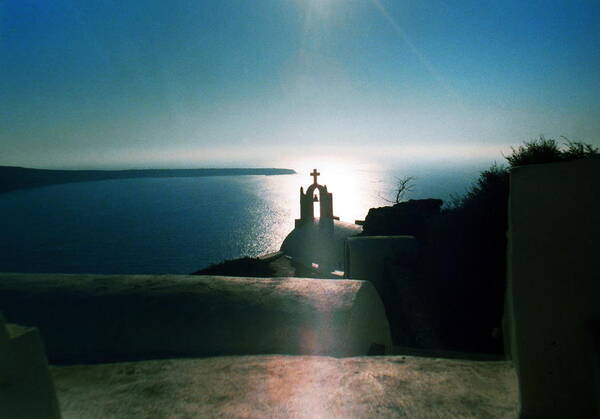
x=13, y=178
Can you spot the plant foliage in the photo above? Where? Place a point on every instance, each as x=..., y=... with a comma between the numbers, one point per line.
x=545, y=150
x=471, y=262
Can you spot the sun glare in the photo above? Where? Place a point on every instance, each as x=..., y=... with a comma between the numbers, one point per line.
x=351, y=183
x=320, y=7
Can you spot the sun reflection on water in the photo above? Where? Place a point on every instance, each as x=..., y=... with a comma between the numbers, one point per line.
x=356, y=188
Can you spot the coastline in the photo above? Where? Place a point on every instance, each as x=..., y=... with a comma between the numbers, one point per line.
x=14, y=178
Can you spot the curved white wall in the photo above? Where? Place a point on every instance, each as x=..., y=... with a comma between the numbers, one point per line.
x=101, y=318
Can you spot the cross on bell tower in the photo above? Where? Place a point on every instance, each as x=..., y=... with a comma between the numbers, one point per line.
x=325, y=201
x=314, y=174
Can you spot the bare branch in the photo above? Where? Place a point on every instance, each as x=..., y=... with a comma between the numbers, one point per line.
x=403, y=186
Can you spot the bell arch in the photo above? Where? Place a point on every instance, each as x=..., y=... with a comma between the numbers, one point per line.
x=325, y=199
x=307, y=200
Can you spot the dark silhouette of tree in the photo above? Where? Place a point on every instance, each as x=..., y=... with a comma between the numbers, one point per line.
x=469, y=261
x=404, y=185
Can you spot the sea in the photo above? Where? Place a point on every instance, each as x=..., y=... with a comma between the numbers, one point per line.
x=180, y=225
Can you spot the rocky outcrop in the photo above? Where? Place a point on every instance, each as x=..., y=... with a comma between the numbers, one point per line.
x=406, y=218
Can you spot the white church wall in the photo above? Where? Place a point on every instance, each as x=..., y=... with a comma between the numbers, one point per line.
x=84, y=318
x=553, y=287
x=26, y=389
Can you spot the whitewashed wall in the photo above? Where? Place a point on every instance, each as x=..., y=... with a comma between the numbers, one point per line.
x=553, y=302
x=103, y=318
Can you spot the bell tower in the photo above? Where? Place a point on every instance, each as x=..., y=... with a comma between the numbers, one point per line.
x=308, y=199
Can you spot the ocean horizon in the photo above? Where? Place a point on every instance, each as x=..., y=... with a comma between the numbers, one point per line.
x=179, y=225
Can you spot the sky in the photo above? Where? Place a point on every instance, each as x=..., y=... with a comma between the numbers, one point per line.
x=182, y=83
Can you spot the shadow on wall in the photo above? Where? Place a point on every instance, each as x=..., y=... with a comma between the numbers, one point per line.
x=449, y=294
x=553, y=284
x=460, y=271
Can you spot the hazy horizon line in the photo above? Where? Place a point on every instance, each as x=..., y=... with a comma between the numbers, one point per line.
x=388, y=157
